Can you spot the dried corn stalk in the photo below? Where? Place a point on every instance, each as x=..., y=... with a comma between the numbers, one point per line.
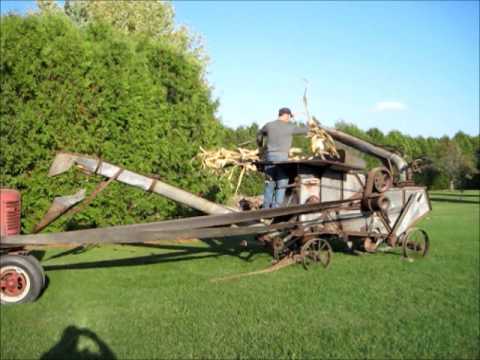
x=219, y=160
x=321, y=143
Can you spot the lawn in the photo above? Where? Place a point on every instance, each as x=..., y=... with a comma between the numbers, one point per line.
x=137, y=302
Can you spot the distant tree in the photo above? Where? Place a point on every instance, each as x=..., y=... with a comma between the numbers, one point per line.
x=351, y=129
x=48, y=5
x=464, y=142
x=455, y=164
x=376, y=135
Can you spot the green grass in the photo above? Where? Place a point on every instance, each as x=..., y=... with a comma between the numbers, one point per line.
x=165, y=306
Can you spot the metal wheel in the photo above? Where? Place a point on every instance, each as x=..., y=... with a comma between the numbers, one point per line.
x=369, y=245
x=277, y=248
x=316, y=251
x=415, y=243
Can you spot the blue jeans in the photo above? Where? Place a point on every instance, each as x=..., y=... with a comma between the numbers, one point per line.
x=276, y=181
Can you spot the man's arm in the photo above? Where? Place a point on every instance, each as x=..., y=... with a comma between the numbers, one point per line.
x=260, y=135
x=299, y=130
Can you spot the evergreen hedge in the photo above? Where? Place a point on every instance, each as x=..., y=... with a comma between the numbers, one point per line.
x=131, y=100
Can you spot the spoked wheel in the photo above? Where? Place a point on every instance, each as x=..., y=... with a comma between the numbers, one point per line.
x=415, y=243
x=316, y=251
x=277, y=248
x=21, y=280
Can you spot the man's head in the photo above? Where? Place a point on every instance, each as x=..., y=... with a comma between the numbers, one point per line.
x=285, y=114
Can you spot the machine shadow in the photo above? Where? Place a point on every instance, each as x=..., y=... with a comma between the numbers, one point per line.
x=73, y=251
x=181, y=252
x=38, y=254
x=68, y=346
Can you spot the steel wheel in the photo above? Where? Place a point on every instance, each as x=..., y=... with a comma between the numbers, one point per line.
x=278, y=248
x=316, y=251
x=415, y=243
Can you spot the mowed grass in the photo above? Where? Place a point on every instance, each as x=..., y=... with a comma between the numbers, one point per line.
x=102, y=303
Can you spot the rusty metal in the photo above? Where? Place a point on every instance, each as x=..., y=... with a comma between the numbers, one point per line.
x=102, y=186
x=283, y=263
x=369, y=245
x=382, y=179
x=415, y=243
x=173, y=228
x=386, y=156
x=59, y=206
x=65, y=204
x=64, y=161
x=377, y=203
x=315, y=251
x=316, y=163
x=392, y=238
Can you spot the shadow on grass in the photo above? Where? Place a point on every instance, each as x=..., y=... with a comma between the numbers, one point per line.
x=68, y=346
x=73, y=251
x=458, y=195
x=216, y=248
x=460, y=201
x=38, y=254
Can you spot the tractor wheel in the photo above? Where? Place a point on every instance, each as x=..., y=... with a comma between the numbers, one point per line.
x=21, y=280
x=37, y=264
x=316, y=251
x=415, y=243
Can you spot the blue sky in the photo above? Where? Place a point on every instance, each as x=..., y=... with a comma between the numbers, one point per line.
x=411, y=66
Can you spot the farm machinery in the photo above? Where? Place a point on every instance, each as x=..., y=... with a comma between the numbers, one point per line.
x=329, y=204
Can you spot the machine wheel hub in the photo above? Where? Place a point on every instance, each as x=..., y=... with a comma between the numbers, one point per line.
x=13, y=282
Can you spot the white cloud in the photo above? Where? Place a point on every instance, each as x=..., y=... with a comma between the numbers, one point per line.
x=389, y=106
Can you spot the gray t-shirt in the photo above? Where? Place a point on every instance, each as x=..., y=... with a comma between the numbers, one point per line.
x=279, y=135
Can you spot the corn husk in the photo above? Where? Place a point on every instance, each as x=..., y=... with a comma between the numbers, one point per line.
x=321, y=143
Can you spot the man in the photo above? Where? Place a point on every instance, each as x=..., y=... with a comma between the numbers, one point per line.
x=278, y=134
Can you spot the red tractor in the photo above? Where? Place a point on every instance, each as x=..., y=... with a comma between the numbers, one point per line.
x=21, y=276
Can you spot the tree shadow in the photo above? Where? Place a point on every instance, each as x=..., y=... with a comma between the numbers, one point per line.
x=68, y=346
x=461, y=201
x=455, y=195
x=216, y=248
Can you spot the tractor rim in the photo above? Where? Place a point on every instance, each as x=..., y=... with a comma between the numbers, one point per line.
x=14, y=284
